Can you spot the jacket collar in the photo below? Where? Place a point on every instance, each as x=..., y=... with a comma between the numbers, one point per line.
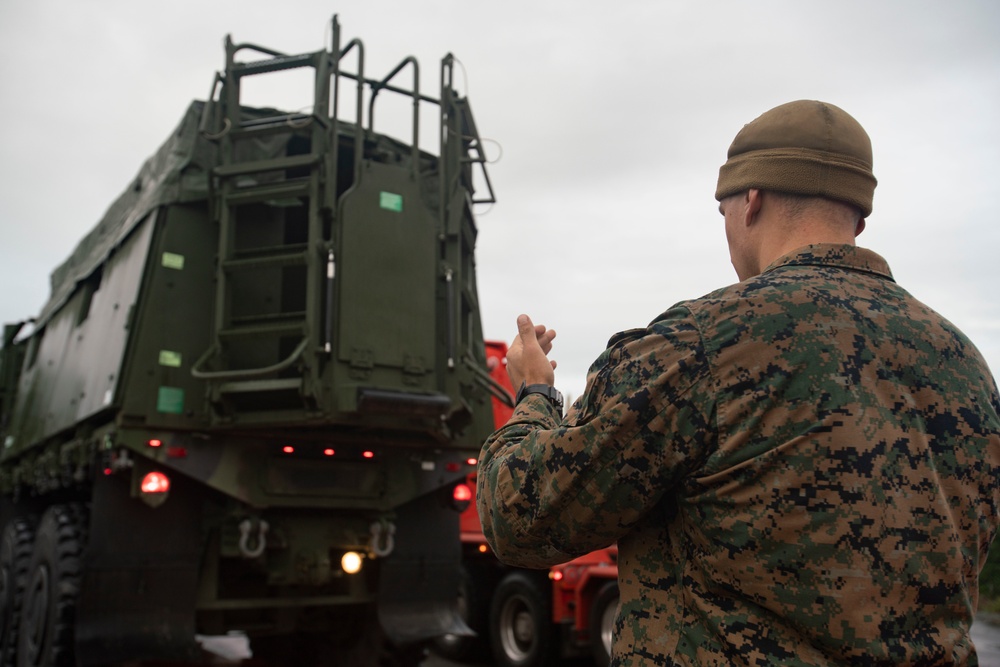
x=844, y=256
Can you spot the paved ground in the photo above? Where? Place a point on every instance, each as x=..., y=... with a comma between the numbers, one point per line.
x=986, y=636
x=985, y=633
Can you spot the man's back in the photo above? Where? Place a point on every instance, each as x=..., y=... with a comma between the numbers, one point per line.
x=800, y=469
x=844, y=504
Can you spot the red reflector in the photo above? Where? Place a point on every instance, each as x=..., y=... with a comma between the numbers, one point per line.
x=452, y=467
x=176, y=452
x=471, y=461
x=288, y=449
x=155, y=482
x=154, y=443
x=368, y=454
x=328, y=452
x=462, y=493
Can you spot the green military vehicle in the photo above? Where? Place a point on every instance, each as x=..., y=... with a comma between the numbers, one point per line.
x=256, y=390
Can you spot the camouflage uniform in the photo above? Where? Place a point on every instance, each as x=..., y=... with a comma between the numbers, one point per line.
x=800, y=469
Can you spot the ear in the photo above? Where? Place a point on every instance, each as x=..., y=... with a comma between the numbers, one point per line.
x=752, y=202
x=859, y=228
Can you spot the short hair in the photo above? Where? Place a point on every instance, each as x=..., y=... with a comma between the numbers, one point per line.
x=797, y=205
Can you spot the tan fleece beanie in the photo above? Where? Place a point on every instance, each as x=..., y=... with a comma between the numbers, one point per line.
x=806, y=148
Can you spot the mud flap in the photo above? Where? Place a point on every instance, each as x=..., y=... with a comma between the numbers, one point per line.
x=140, y=577
x=418, y=587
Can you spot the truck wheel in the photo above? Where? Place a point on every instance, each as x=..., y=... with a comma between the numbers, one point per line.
x=53, y=585
x=15, y=555
x=521, y=629
x=602, y=622
x=474, y=610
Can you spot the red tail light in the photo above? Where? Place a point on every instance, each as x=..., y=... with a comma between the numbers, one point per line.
x=461, y=496
x=462, y=493
x=155, y=482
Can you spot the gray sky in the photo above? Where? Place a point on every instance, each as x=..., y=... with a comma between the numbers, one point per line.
x=610, y=121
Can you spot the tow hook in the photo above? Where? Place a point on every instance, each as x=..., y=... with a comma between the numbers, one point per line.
x=260, y=540
x=383, y=537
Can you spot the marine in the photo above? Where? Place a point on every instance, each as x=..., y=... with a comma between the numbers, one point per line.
x=802, y=468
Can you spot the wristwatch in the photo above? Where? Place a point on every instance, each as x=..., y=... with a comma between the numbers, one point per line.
x=548, y=391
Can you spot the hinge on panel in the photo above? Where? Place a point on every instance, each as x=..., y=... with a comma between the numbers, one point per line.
x=362, y=362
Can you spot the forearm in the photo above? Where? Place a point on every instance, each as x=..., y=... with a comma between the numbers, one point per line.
x=505, y=517
x=549, y=492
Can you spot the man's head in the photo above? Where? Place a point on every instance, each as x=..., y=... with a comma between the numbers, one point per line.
x=801, y=173
x=802, y=148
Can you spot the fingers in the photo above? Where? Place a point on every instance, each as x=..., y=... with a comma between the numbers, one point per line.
x=527, y=331
x=544, y=337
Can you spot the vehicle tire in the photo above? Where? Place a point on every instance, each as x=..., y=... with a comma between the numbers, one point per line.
x=473, y=607
x=602, y=622
x=15, y=555
x=53, y=586
x=521, y=629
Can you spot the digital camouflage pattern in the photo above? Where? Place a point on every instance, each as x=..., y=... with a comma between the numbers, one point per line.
x=799, y=469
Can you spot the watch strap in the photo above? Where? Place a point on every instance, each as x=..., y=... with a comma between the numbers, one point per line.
x=548, y=391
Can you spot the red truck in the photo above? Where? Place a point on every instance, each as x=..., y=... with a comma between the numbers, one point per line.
x=530, y=618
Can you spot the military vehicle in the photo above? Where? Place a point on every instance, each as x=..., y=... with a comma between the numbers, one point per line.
x=256, y=389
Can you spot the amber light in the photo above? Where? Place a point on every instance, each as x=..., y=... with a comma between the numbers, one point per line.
x=351, y=562
x=483, y=548
x=155, y=482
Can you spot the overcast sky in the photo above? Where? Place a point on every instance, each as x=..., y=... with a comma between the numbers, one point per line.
x=607, y=121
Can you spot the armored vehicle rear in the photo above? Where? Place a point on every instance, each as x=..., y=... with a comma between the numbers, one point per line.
x=254, y=388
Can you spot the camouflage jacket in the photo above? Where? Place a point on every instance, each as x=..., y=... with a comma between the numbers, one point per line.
x=799, y=469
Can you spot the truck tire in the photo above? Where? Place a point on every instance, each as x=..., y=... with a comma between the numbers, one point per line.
x=521, y=630
x=602, y=623
x=53, y=585
x=473, y=607
x=15, y=555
